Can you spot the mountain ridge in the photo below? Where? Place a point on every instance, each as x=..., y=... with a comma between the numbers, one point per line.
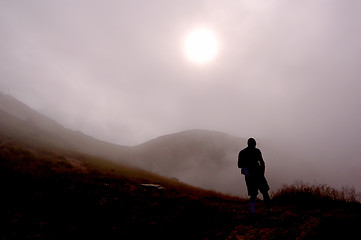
x=199, y=157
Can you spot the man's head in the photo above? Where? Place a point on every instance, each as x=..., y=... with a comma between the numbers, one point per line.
x=251, y=142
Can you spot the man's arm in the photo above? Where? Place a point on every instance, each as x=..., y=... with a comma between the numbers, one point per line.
x=240, y=160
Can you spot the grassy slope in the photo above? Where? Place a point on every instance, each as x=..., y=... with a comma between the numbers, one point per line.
x=52, y=195
x=48, y=194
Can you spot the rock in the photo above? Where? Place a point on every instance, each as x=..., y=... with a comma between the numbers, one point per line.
x=152, y=186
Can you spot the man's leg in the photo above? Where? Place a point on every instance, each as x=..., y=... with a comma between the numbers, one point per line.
x=264, y=188
x=252, y=208
x=267, y=200
x=252, y=188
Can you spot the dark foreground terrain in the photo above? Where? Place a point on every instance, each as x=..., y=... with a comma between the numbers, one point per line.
x=50, y=194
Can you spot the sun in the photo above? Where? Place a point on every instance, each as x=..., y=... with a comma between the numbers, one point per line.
x=201, y=46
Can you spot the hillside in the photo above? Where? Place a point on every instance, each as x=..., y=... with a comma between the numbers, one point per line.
x=49, y=194
x=23, y=123
x=198, y=157
x=53, y=195
x=202, y=158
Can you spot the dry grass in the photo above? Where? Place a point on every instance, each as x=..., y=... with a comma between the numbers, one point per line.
x=304, y=193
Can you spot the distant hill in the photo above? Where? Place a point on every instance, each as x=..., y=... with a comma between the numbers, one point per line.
x=202, y=158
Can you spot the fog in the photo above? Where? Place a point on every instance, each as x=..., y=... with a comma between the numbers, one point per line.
x=287, y=73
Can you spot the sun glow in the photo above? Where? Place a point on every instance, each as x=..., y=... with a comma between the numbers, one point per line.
x=201, y=46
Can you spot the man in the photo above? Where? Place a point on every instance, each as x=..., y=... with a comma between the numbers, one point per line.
x=253, y=167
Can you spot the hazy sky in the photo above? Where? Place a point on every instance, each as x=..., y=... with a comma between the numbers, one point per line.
x=287, y=71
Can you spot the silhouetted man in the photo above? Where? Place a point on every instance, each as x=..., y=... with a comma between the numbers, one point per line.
x=251, y=162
